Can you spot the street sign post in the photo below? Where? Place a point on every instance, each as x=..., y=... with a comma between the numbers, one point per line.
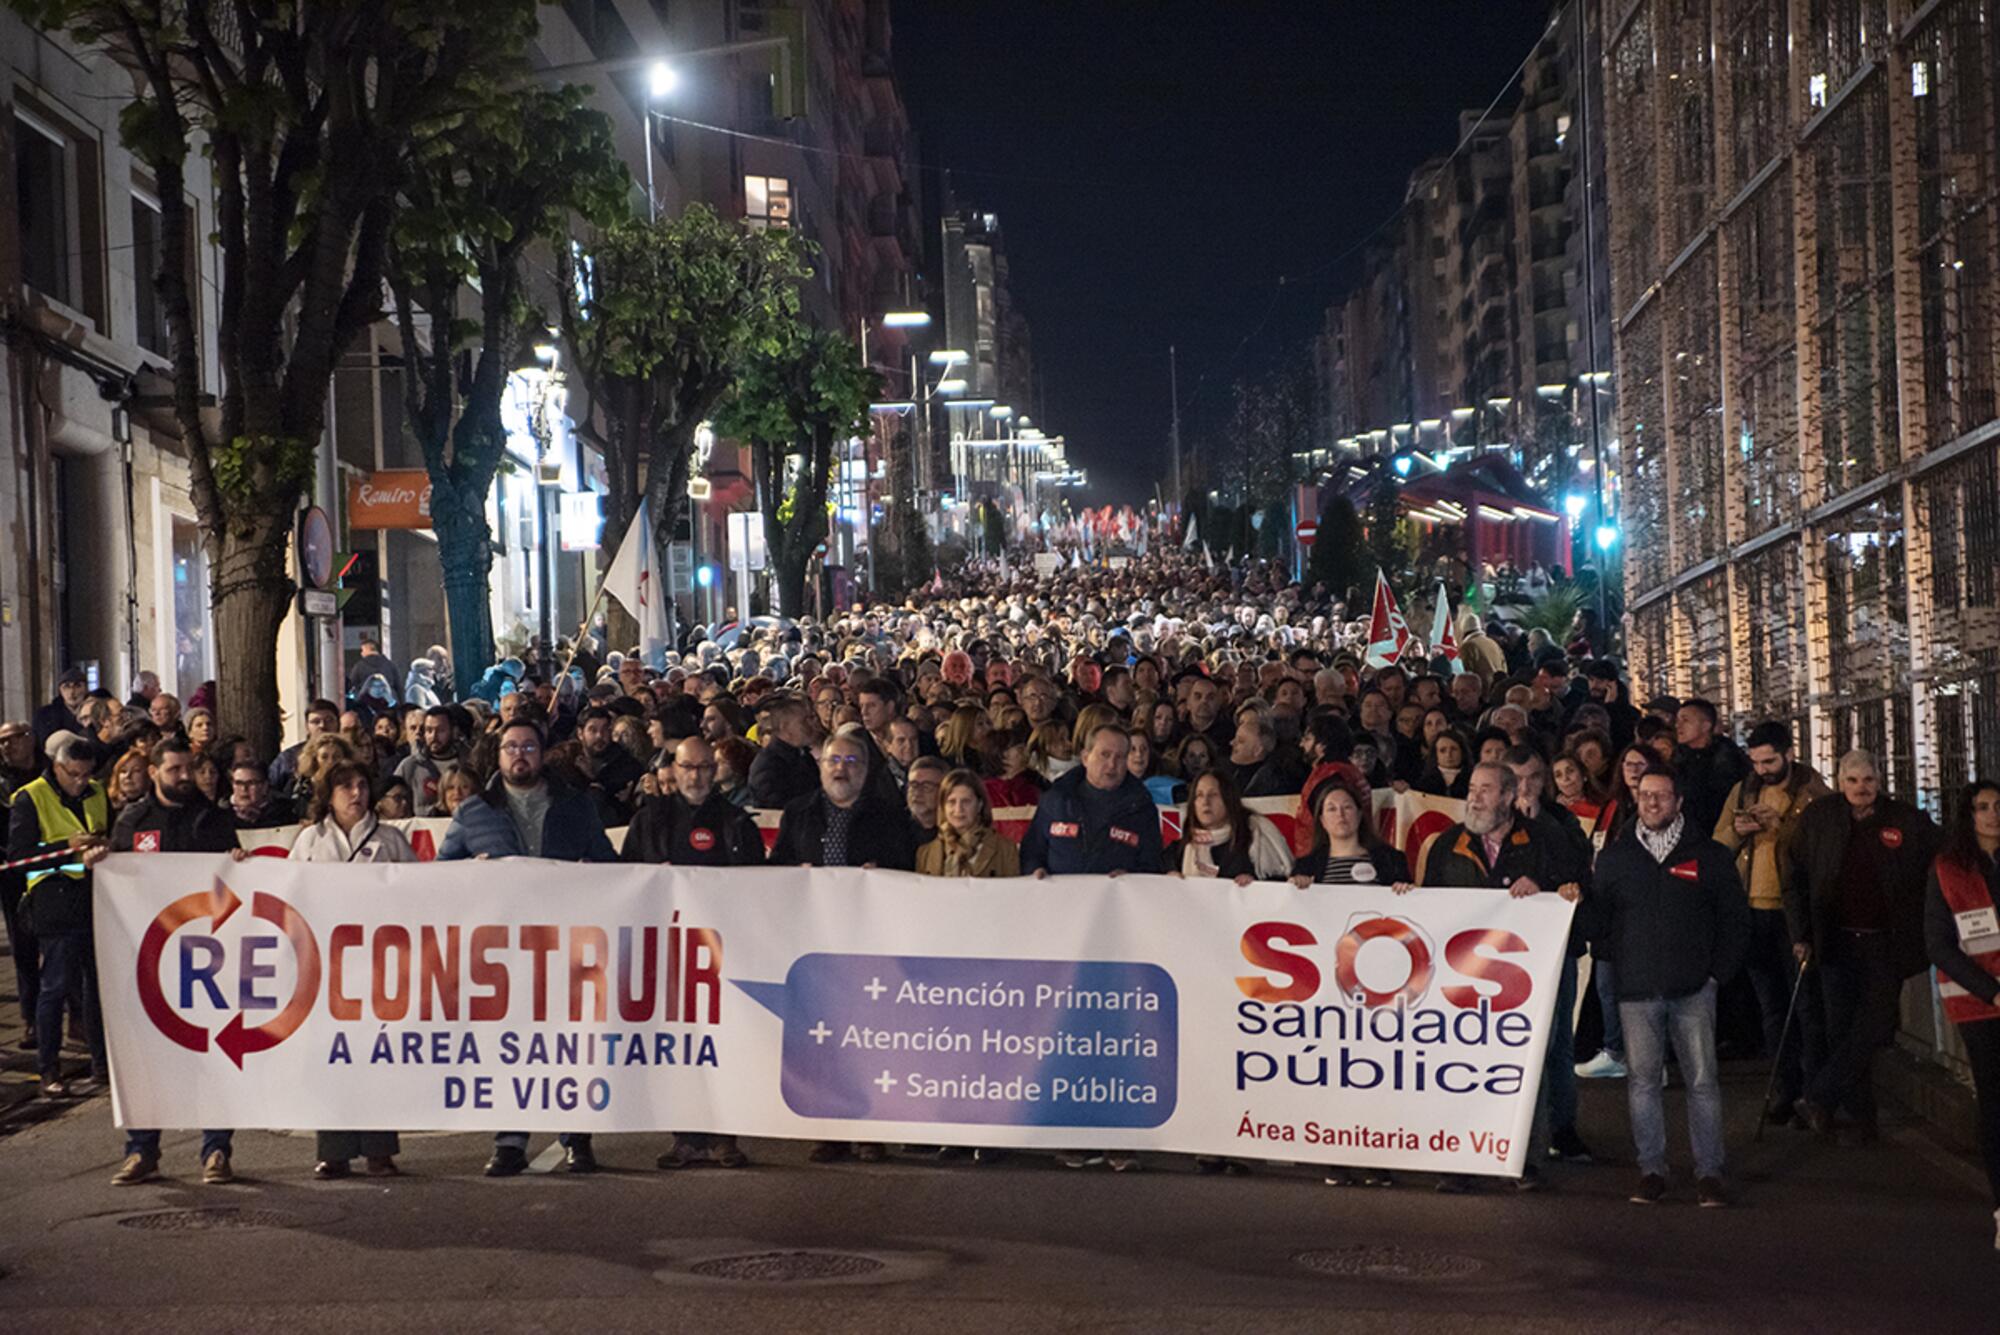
x=1307, y=531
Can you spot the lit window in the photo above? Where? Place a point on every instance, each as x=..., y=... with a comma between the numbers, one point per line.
x=767, y=202
x=1920, y=78
x=1816, y=90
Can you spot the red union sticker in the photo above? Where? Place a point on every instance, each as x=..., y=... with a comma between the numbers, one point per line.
x=146, y=841
x=1125, y=836
x=701, y=840
x=1062, y=829
x=1892, y=838
x=1687, y=871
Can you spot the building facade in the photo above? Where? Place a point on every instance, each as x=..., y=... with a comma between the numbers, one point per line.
x=1804, y=264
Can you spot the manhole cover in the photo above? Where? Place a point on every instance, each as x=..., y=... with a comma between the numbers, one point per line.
x=1373, y=1261
x=788, y=1267
x=208, y=1220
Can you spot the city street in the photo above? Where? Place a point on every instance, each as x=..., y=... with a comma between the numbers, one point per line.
x=1824, y=1238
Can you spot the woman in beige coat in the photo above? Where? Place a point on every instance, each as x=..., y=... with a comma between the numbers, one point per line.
x=966, y=843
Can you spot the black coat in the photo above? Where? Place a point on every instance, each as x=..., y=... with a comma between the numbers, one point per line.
x=884, y=836
x=781, y=774
x=1707, y=776
x=714, y=834
x=52, y=718
x=1670, y=926
x=150, y=826
x=1458, y=858
x=1391, y=867
x=1819, y=854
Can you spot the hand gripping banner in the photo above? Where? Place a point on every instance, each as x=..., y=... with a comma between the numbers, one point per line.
x=1346, y=1025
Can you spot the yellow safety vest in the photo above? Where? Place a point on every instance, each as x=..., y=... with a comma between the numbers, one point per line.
x=58, y=822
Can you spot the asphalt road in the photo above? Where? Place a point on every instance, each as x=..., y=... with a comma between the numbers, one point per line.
x=1824, y=1237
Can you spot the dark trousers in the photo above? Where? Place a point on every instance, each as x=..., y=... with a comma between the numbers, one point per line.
x=69, y=969
x=21, y=941
x=1859, y=990
x=1982, y=1052
x=1773, y=970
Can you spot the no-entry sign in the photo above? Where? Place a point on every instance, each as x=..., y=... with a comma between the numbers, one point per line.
x=1307, y=531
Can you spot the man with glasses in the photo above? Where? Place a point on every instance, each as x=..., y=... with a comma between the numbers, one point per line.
x=844, y=825
x=693, y=825
x=64, y=810
x=525, y=813
x=251, y=802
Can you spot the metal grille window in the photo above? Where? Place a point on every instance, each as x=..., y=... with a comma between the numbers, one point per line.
x=1758, y=51
x=1652, y=665
x=1867, y=627
x=1705, y=606
x=1854, y=335
x=1839, y=35
x=1952, y=73
x=1960, y=503
x=1775, y=626
x=1766, y=429
x=1688, y=114
x=1629, y=164
x=1644, y=441
x=1695, y=364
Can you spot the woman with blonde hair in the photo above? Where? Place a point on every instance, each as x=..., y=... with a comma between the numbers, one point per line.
x=960, y=738
x=1051, y=752
x=966, y=843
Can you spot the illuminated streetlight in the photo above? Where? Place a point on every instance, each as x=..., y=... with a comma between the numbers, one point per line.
x=662, y=79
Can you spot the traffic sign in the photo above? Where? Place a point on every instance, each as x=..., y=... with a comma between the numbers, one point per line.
x=1307, y=531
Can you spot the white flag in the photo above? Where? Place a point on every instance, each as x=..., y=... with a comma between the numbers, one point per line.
x=1207, y=557
x=634, y=580
x=1188, y=541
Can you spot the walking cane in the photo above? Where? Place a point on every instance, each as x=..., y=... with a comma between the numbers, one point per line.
x=1757, y=1136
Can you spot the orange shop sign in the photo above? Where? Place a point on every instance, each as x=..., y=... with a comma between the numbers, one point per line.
x=396, y=498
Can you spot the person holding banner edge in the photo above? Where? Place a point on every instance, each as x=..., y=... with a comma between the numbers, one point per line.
x=1494, y=848
x=690, y=823
x=524, y=813
x=346, y=831
x=172, y=818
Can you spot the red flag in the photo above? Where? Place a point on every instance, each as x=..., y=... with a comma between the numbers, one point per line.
x=1388, y=633
x=1444, y=640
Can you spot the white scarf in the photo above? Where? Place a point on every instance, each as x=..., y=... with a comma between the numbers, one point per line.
x=1660, y=843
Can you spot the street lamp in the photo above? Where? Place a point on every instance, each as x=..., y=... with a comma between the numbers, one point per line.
x=662, y=79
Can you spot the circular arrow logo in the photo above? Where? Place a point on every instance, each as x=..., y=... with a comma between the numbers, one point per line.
x=236, y=1040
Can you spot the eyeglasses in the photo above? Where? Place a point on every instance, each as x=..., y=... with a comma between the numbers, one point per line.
x=694, y=769
x=520, y=749
x=842, y=762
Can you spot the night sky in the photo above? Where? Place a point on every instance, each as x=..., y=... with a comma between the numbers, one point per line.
x=1158, y=167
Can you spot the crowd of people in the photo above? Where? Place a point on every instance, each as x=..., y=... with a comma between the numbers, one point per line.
x=889, y=738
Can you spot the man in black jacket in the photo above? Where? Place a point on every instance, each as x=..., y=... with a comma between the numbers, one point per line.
x=783, y=771
x=1710, y=764
x=1569, y=866
x=1667, y=906
x=1496, y=847
x=694, y=825
x=1855, y=904
x=173, y=818
x=611, y=773
x=59, y=714
x=843, y=825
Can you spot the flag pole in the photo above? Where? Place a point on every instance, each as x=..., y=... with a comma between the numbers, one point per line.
x=589, y=614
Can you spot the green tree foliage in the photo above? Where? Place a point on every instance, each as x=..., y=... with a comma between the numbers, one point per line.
x=312, y=114
x=505, y=176
x=795, y=403
x=659, y=317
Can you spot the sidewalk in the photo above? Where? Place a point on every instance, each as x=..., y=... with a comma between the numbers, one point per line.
x=20, y=1087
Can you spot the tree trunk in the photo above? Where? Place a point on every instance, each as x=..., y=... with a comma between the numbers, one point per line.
x=251, y=594
x=465, y=551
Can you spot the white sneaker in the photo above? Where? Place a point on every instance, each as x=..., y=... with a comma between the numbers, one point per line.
x=1603, y=1066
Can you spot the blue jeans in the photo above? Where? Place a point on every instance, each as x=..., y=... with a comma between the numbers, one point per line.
x=1689, y=1023
x=1604, y=977
x=69, y=967
x=148, y=1143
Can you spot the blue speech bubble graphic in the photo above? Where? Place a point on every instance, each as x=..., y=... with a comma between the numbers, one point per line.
x=918, y=1038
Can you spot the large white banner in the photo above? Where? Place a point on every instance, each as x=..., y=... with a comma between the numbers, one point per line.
x=1344, y=1025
